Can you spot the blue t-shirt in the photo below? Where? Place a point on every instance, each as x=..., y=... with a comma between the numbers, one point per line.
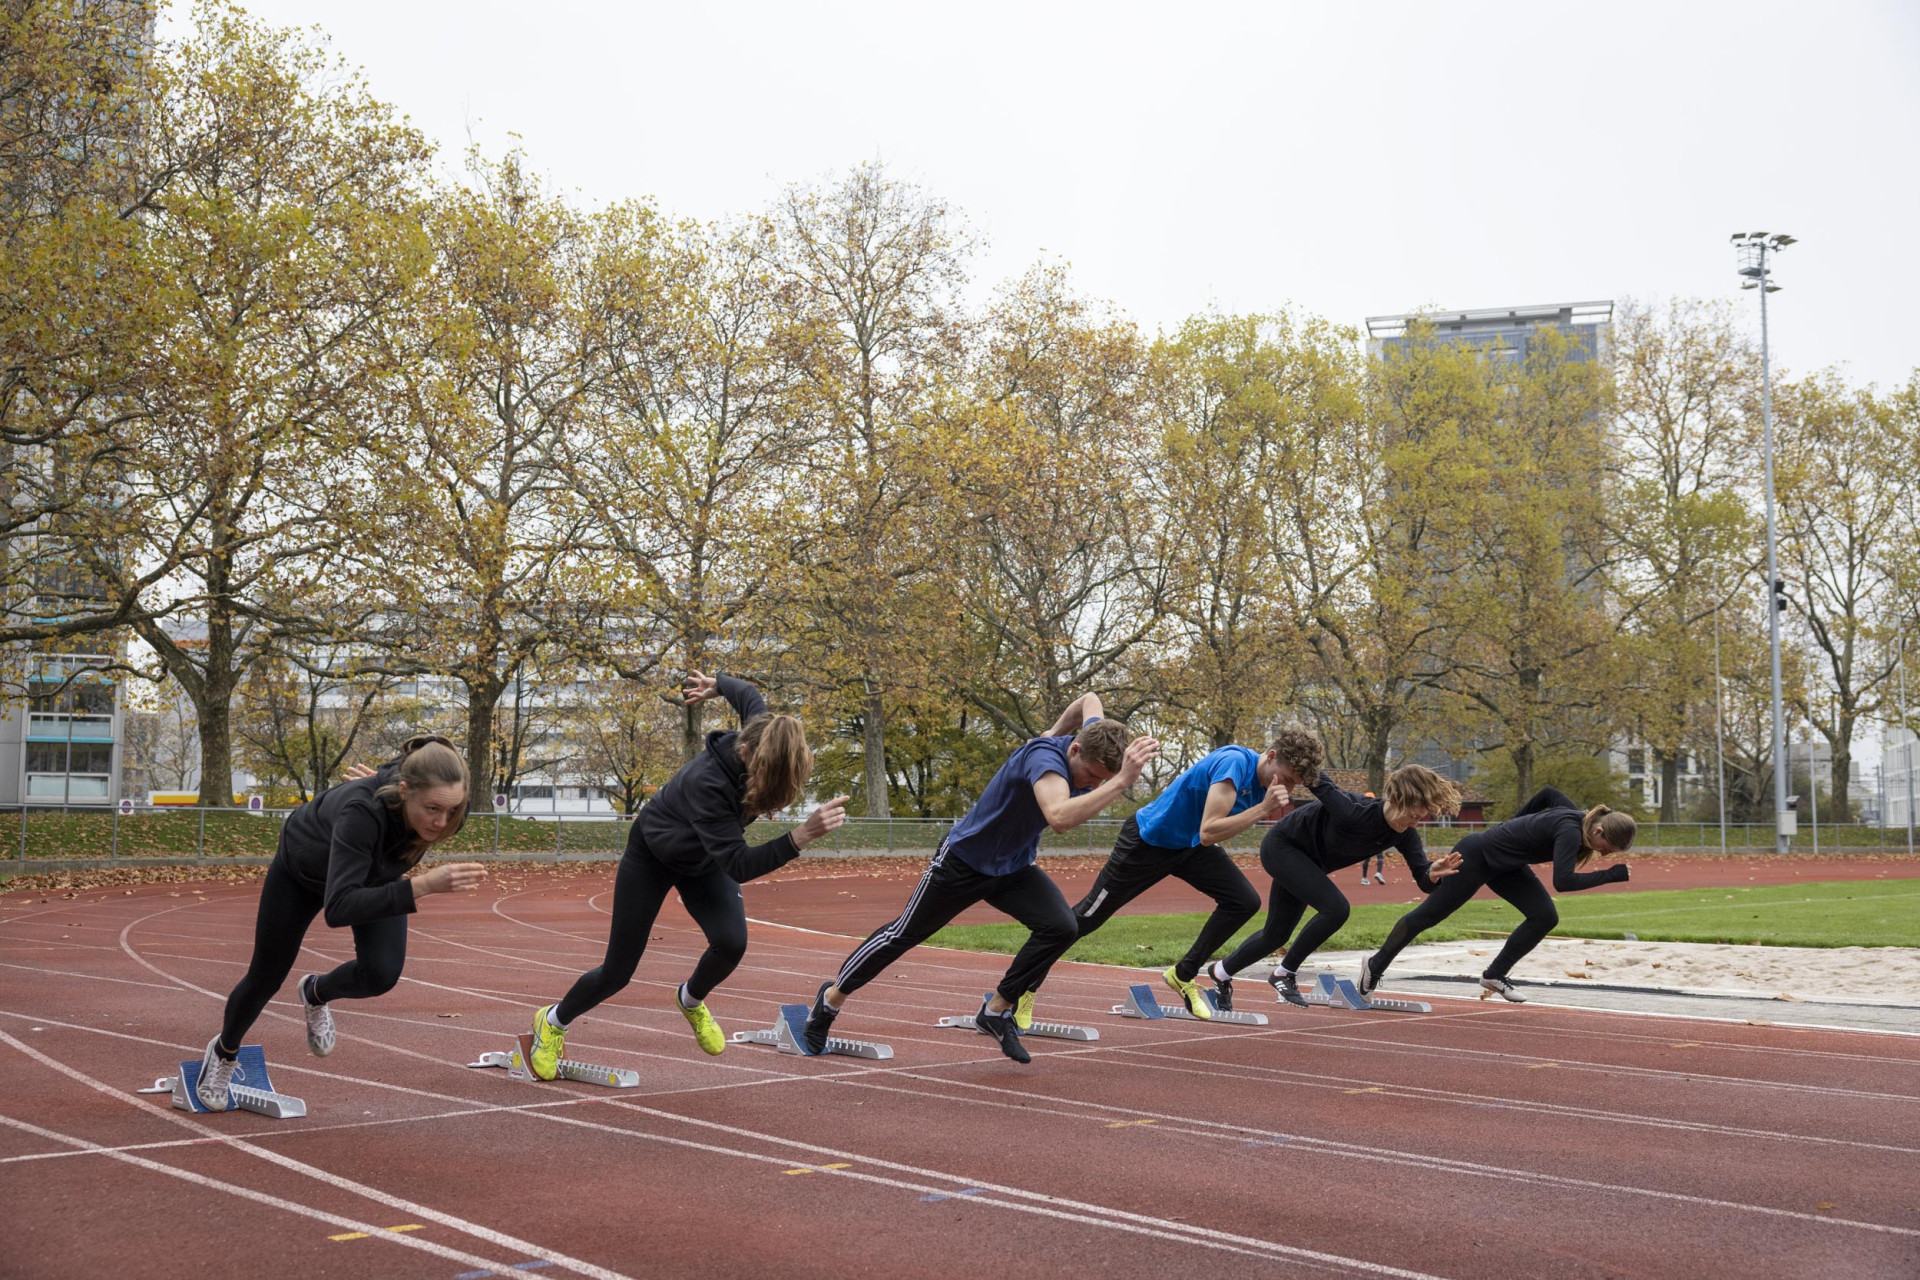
x=1172, y=821
x=1001, y=833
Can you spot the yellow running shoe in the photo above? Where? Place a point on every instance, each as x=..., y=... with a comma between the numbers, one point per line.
x=706, y=1032
x=1023, y=1012
x=1190, y=992
x=549, y=1045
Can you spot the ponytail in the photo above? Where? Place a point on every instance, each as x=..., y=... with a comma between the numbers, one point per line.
x=1616, y=828
x=426, y=760
x=778, y=764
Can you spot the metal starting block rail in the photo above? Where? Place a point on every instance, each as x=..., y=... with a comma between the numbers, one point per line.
x=1043, y=1030
x=1341, y=993
x=789, y=1035
x=515, y=1061
x=251, y=1088
x=1141, y=1003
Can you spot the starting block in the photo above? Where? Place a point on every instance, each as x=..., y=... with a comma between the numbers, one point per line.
x=515, y=1061
x=1142, y=1004
x=789, y=1035
x=251, y=1087
x=1044, y=1030
x=1341, y=993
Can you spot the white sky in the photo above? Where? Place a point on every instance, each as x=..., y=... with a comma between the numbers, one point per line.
x=1351, y=160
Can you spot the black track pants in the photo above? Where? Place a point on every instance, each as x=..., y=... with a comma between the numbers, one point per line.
x=712, y=898
x=1522, y=888
x=286, y=910
x=1136, y=866
x=1298, y=883
x=948, y=887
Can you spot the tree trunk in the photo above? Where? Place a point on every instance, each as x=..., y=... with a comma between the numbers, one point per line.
x=875, y=750
x=1669, y=785
x=481, y=700
x=1379, y=739
x=1522, y=757
x=1842, y=774
x=693, y=735
x=215, y=720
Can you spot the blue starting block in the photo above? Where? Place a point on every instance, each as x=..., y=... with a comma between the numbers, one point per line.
x=1043, y=1030
x=251, y=1087
x=515, y=1061
x=789, y=1035
x=1142, y=1003
x=1341, y=993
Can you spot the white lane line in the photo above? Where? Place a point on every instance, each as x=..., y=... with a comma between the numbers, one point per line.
x=413, y=1208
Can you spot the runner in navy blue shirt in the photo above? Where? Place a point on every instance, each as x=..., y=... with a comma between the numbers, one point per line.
x=1548, y=828
x=1056, y=781
x=1180, y=834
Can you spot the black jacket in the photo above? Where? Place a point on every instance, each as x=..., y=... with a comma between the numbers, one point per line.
x=694, y=823
x=1340, y=828
x=350, y=848
x=1547, y=829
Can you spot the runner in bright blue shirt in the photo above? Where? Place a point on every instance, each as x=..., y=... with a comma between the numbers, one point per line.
x=1056, y=781
x=1180, y=834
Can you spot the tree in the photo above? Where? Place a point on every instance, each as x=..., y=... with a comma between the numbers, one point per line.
x=287, y=229
x=303, y=717
x=876, y=264
x=627, y=739
x=1685, y=383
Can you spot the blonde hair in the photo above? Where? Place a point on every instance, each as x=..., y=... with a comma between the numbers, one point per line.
x=778, y=762
x=427, y=760
x=1299, y=748
x=1105, y=743
x=1414, y=786
x=1615, y=827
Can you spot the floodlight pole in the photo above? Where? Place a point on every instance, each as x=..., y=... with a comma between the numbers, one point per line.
x=1719, y=732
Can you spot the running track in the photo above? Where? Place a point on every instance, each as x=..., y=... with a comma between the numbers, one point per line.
x=1481, y=1140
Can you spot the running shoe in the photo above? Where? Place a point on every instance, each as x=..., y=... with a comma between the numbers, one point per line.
x=1222, y=990
x=1368, y=978
x=549, y=1045
x=1190, y=992
x=1023, y=1011
x=820, y=1020
x=1000, y=1027
x=1287, y=987
x=706, y=1032
x=1500, y=987
x=320, y=1035
x=216, y=1075
x=1379, y=877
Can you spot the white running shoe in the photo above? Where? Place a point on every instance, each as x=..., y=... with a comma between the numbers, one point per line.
x=1501, y=987
x=320, y=1035
x=216, y=1075
x=1380, y=877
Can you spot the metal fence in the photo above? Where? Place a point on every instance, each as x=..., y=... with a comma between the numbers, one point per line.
x=62, y=837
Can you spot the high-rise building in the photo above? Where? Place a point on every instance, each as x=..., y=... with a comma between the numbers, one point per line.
x=1503, y=333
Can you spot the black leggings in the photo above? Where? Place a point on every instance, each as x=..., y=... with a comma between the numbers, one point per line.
x=1522, y=888
x=949, y=886
x=1136, y=866
x=287, y=908
x=712, y=898
x=1298, y=883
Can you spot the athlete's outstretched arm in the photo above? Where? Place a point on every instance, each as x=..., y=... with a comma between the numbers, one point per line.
x=1082, y=709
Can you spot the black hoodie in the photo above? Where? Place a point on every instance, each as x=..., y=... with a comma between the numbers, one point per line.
x=348, y=846
x=694, y=823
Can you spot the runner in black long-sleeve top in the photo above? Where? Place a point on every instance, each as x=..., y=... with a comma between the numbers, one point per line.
x=691, y=836
x=347, y=852
x=1334, y=830
x=1548, y=828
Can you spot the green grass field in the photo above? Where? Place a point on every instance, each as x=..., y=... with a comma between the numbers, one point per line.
x=1869, y=913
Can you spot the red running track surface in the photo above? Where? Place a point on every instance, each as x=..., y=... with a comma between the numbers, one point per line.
x=1476, y=1141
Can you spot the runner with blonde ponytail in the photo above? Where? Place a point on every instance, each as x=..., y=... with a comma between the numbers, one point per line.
x=691, y=837
x=1548, y=828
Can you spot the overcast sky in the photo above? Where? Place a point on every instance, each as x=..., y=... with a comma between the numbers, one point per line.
x=1350, y=160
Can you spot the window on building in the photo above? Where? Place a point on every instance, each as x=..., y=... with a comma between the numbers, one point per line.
x=46, y=757
x=1636, y=760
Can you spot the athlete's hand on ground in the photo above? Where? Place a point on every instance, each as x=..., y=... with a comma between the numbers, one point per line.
x=449, y=877
x=827, y=817
x=1139, y=751
x=355, y=772
x=1441, y=867
x=699, y=688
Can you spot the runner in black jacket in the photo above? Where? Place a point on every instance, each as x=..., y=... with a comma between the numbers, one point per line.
x=691, y=836
x=1548, y=828
x=347, y=852
x=1334, y=830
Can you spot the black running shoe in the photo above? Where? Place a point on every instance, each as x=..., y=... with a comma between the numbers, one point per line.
x=1223, y=994
x=1368, y=978
x=820, y=1020
x=1000, y=1027
x=1287, y=987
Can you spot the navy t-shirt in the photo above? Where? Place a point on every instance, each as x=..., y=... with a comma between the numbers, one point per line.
x=1001, y=833
x=1172, y=821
